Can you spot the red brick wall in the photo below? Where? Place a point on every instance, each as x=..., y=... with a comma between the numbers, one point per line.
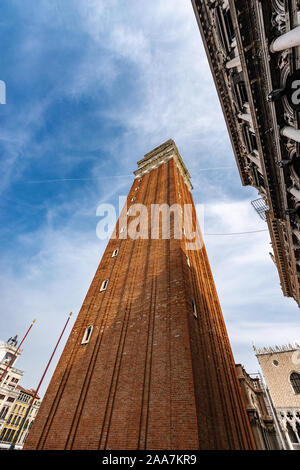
x=152, y=376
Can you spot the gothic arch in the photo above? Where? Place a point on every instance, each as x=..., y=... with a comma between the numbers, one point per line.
x=295, y=382
x=291, y=433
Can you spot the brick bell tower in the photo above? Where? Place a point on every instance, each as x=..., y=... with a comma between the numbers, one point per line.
x=148, y=364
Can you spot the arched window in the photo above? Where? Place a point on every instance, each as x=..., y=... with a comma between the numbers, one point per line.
x=295, y=382
x=4, y=412
x=298, y=428
x=104, y=285
x=292, y=434
x=87, y=335
x=3, y=434
x=194, y=308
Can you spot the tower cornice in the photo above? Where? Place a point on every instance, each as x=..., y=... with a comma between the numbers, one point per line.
x=160, y=155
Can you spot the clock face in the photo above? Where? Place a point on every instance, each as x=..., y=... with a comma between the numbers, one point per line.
x=8, y=357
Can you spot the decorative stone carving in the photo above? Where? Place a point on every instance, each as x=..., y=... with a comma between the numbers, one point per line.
x=278, y=19
x=259, y=71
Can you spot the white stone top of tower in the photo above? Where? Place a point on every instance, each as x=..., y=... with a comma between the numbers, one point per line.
x=7, y=351
x=160, y=155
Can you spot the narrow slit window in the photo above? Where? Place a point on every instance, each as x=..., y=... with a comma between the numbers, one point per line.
x=243, y=92
x=229, y=25
x=104, y=285
x=122, y=229
x=115, y=253
x=188, y=261
x=253, y=141
x=133, y=199
x=194, y=309
x=225, y=27
x=87, y=335
x=250, y=140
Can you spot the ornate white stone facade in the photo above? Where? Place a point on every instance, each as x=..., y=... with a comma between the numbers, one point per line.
x=281, y=369
x=253, y=48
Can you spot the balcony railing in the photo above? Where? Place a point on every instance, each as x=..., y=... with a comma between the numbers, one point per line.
x=260, y=207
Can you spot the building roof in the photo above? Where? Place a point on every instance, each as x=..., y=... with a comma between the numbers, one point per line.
x=276, y=349
x=28, y=391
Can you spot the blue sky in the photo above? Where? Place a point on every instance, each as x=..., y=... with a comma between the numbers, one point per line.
x=92, y=86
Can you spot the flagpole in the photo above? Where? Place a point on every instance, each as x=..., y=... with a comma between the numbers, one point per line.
x=15, y=354
x=16, y=437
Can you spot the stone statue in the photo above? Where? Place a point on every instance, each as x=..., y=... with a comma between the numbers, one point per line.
x=13, y=341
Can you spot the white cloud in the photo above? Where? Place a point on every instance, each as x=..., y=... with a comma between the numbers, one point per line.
x=177, y=97
x=46, y=287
